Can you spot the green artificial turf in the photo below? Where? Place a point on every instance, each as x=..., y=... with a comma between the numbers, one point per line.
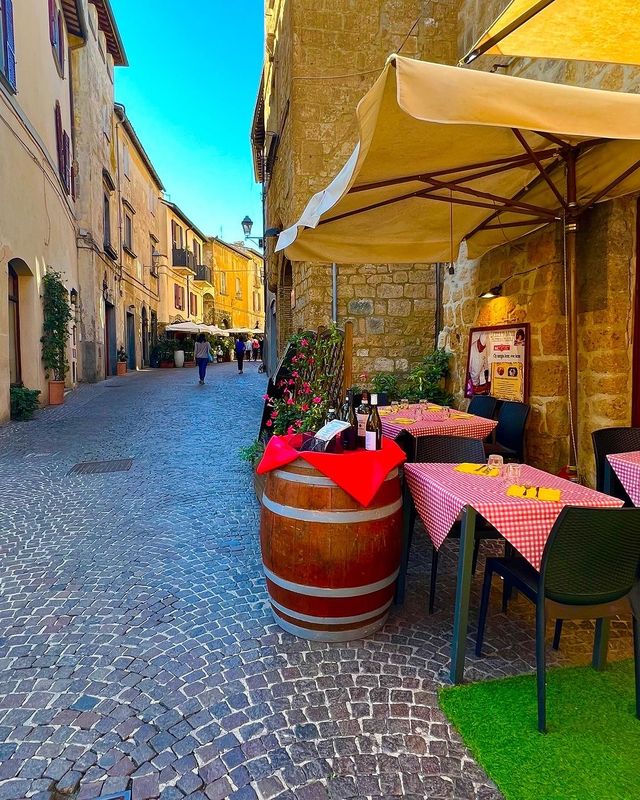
x=591, y=750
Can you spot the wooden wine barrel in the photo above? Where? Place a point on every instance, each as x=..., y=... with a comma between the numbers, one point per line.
x=331, y=565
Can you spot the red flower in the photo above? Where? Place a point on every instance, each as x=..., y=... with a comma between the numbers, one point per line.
x=268, y=423
x=291, y=429
x=304, y=342
x=298, y=423
x=304, y=407
x=266, y=397
x=295, y=374
x=317, y=399
x=274, y=414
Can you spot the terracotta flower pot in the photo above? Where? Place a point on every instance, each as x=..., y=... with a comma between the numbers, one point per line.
x=56, y=393
x=167, y=365
x=121, y=368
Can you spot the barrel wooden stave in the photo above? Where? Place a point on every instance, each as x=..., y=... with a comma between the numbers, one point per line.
x=331, y=575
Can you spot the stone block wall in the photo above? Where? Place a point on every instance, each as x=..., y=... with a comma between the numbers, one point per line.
x=331, y=52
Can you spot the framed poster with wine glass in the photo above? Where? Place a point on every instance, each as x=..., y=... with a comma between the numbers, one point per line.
x=498, y=362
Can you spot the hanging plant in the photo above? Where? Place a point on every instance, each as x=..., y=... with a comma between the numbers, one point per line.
x=56, y=315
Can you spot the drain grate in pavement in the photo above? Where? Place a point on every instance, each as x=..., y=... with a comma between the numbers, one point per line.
x=97, y=467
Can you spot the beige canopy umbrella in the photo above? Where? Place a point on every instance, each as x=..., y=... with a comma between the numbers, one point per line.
x=448, y=154
x=584, y=30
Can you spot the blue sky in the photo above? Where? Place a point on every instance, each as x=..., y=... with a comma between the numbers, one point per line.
x=189, y=89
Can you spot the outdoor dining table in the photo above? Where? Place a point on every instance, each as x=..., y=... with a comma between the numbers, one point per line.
x=441, y=493
x=419, y=419
x=627, y=467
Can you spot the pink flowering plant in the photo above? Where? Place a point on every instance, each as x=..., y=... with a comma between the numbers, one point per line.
x=304, y=395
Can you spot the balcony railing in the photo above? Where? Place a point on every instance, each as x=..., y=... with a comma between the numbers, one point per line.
x=203, y=273
x=183, y=258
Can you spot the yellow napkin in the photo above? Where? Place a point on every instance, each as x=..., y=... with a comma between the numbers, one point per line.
x=384, y=411
x=404, y=420
x=478, y=469
x=460, y=415
x=534, y=493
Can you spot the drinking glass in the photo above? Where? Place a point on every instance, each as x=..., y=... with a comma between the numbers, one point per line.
x=495, y=460
x=512, y=472
x=446, y=411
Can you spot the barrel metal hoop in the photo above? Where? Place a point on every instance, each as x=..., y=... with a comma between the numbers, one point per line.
x=317, y=480
x=307, y=515
x=329, y=636
x=331, y=620
x=322, y=591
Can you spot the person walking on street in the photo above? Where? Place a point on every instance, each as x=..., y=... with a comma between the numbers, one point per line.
x=247, y=350
x=202, y=356
x=240, y=353
x=255, y=346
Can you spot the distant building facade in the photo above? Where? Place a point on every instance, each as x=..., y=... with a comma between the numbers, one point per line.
x=239, y=285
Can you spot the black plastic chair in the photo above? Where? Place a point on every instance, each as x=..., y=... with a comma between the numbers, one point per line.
x=589, y=567
x=450, y=450
x=613, y=440
x=509, y=433
x=483, y=405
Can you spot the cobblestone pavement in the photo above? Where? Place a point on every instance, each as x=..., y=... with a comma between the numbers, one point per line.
x=136, y=645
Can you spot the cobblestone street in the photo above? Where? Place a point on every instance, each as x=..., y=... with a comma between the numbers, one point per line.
x=137, y=649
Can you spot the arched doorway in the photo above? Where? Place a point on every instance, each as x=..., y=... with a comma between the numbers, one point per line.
x=145, y=337
x=15, y=358
x=208, y=308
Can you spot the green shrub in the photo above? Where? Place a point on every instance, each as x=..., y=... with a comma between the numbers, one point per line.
x=24, y=402
x=386, y=382
x=56, y=315
x=252, y=453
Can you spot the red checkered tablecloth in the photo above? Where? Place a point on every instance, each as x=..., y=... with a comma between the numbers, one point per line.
x=440, y=494
x=627, y=468
x=432, y=421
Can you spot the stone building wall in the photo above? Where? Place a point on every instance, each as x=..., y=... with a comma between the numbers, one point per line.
x=327, y=54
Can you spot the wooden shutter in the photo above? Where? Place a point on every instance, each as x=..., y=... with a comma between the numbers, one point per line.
x=59, y=140
x=66, y=161
x=53, y=22
x=60, y=47
x=10, y=44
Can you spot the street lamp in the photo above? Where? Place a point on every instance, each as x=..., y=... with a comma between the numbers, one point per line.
x=247, y=225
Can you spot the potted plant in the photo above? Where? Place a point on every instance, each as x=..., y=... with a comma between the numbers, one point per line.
x=56, y=315
x=121, y=364
x=24, y=402
x=178, y=355
x=165, y=353
x=189, y=352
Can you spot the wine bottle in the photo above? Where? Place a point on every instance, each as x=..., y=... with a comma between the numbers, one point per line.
x=373, y=434
x=350, y=436
x=362, y=413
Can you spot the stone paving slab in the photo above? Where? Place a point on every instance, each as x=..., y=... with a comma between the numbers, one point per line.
x=137, y=649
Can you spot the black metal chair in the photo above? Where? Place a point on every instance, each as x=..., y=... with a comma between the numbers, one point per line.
x=483, y=405
x=605, y=442
x=450, y=450
x=589, y=567
x=509, y=434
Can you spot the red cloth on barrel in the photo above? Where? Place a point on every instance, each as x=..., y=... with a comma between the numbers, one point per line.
x=360, y=472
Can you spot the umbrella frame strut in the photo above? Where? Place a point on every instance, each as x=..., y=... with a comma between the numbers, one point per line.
x=444, y=184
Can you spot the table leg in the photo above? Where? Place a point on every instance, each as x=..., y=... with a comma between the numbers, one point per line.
x=600, y=644
x=608, y=477
x=463, y=590
x=408, y=521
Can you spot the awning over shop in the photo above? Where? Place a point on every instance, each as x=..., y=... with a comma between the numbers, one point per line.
x=240, y=331
x=447, y=154
x=584, y=30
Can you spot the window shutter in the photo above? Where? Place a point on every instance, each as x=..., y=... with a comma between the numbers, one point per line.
x=60, y=48
x=59, y=142
x=66, y=161
x=10, y=44
x=53, y=22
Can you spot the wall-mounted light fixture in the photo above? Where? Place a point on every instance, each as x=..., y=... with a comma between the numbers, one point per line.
x=494, y=291
x=73, y=297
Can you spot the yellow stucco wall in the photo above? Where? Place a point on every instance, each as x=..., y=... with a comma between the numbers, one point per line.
x=239, y=285
x=37, y=227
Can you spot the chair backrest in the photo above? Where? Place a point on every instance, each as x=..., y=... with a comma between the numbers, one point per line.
x=449, y=450
x=483, y=405
x=512, y=418
x=592, y=555
x=613, y=440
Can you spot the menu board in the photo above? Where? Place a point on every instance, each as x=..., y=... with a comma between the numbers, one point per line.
x=498, y=362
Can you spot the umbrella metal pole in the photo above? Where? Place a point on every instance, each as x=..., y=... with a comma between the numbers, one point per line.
x=570, y=232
